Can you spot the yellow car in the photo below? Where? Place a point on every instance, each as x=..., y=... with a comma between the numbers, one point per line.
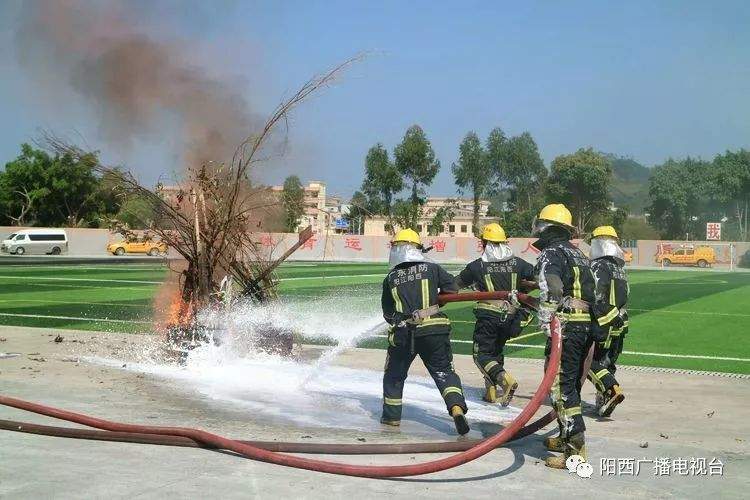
x=688, y=255
x=628, y=256
x=139, y=245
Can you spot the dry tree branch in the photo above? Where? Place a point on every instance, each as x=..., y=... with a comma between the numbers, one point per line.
x=208, y=219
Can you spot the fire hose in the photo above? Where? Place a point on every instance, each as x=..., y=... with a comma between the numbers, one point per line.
x=256, y=451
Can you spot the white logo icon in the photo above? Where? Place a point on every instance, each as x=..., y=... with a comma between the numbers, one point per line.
x=572, y=462
x=585, y=469
x=579, y=465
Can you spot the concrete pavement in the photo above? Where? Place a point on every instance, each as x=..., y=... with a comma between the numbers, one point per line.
x=680, y=416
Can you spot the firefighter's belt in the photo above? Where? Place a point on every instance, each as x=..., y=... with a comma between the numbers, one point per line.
x=420, y=315
x=497, y=305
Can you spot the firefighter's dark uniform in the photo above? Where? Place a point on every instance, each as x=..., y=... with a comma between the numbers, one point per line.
x=410, y=287
x=564, y=271
x=496, y=321
x=611, y=317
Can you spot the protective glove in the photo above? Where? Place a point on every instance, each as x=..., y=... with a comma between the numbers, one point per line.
x=619, y=320
x=544, y=315
x=513, y=299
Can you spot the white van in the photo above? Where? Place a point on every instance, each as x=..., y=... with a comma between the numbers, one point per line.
x=36, y=241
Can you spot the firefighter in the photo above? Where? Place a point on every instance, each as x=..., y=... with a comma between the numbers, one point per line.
x=566, y=286
x=608, y=265
x=496, y=320
x=410, y=306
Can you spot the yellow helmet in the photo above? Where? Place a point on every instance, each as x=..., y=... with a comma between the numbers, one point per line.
x=557, y=213
x=494, y=232
x=407, y=236
x=605, y=231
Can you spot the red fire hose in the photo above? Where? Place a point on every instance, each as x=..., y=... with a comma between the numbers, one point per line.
x=258, y=453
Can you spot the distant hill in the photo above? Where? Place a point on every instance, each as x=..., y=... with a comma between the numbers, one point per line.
x=629, y=186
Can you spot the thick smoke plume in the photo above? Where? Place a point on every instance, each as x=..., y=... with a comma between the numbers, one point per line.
x=138, y=83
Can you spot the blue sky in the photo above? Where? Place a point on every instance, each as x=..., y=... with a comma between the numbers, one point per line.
x=643, y=79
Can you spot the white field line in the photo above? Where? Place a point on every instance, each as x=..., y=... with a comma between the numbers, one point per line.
x=332, y=277
x=98, y=320
x=92, y=287
x=657, y=354
x=711, y=282
x=113, y=267
x=71, y=302
x=95, y=280
x=702, y=313
x=534, y=346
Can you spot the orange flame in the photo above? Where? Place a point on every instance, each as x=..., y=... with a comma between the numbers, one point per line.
x=180, y=312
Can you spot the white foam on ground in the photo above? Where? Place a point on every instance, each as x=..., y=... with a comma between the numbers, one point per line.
x=316, y=393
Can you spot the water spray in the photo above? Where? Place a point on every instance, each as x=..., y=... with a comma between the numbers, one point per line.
x=257, y=452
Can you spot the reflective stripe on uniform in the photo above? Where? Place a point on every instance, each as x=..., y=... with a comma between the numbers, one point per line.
x=488, y=283
x=425, y=294
x=572, y=412
x=575, y=316
x=513, y=280
x=433, y=322
x=612, y=314
x=528, y=321
x=490, y=307
x=392, y=401
x=577, y=283
x=451, y=389
x=489, y=366
x=612, y=293
x=397, y=300
x=597, y=381
x=601, y=373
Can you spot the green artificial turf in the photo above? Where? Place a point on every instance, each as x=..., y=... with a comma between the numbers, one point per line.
x=673, y=313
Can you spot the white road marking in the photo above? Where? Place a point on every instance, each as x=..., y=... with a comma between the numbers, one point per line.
x=101, y=280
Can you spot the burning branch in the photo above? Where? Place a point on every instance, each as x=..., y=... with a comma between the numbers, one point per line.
x=212, y=217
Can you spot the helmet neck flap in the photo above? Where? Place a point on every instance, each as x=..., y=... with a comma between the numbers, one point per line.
x=606, y=247
x=496, y=252
x=404, y=252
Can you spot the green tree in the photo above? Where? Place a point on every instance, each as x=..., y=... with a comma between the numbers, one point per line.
x=293, y=201
x=629, y=186
x=522, y=168
x=636, y=228
x=470, y=173
x=23, y=186
x=136, y=213
x=441, y=217
x=382, y=180
x=53, y=191
x=580, y=181
x=405, y=215
x=731, y=180
x=415, y=160
x=679, y=191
